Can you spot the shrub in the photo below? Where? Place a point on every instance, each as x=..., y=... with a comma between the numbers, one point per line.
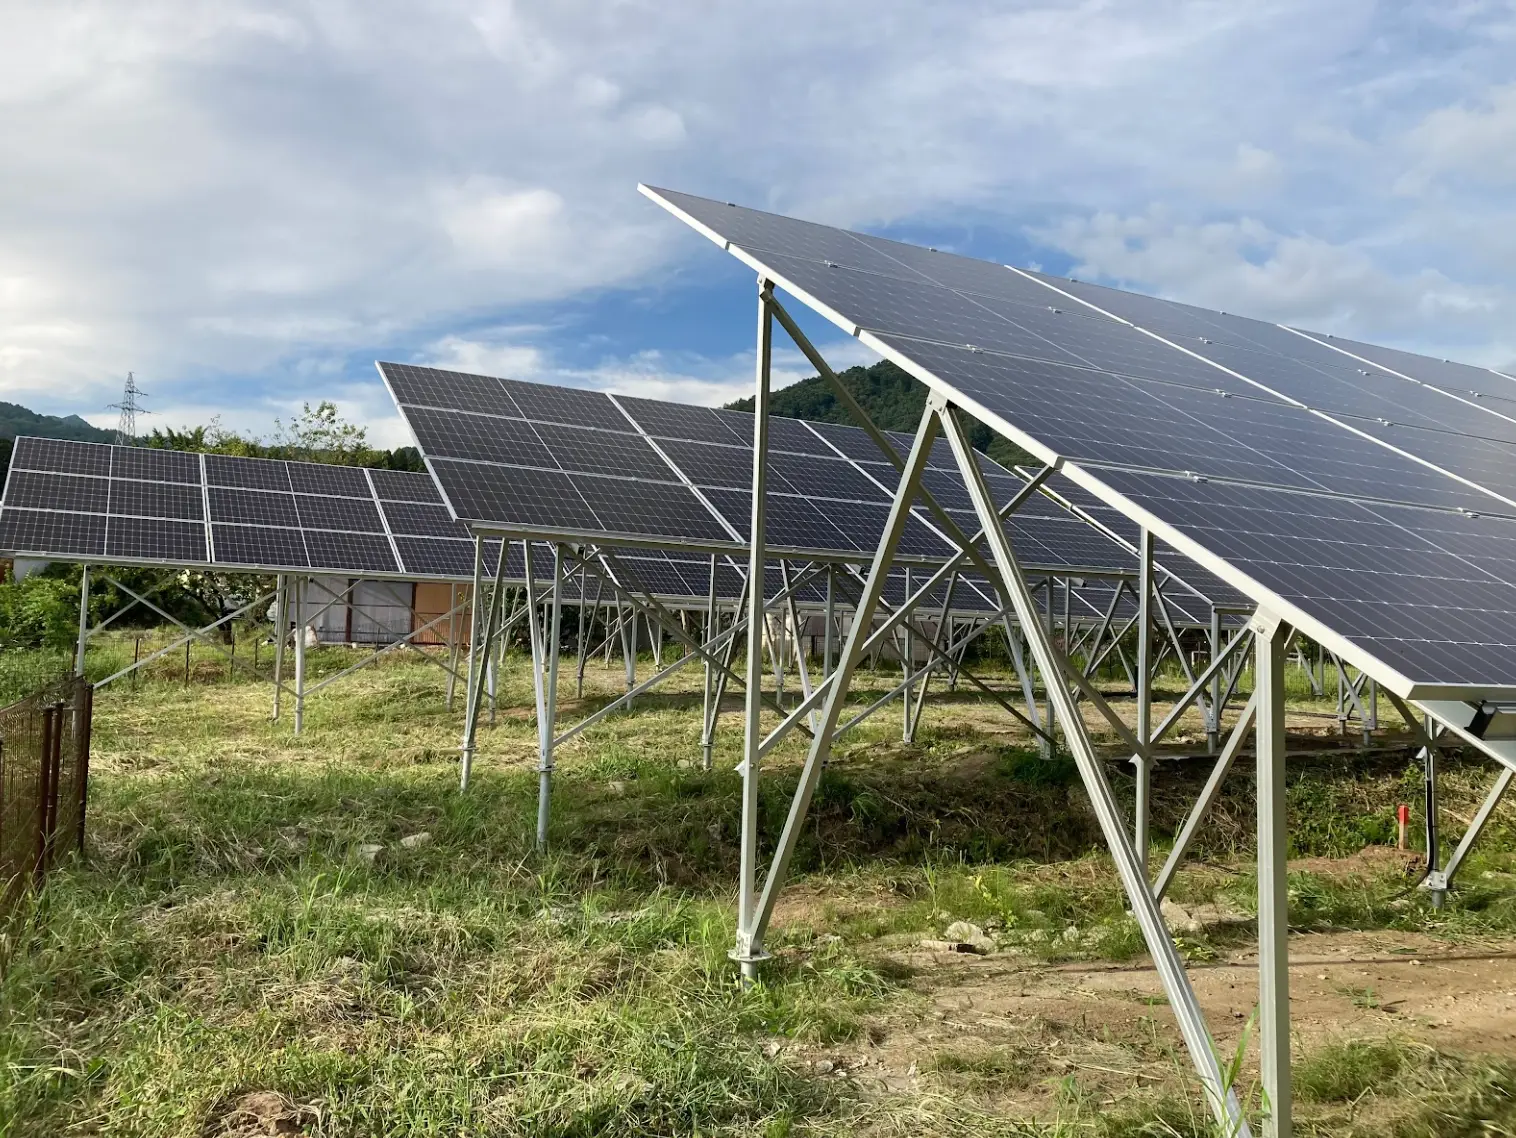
x=38, y=612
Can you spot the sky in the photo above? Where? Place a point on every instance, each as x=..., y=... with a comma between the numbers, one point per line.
x=246, y=203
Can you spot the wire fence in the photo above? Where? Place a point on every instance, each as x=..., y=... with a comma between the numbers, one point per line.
x=44, y=779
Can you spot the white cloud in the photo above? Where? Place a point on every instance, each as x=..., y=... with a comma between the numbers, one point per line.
x=493, y=354
x=658, y=126
x=268, y=189
x=1244, y=266
x=1474, y=141
x=511, y=229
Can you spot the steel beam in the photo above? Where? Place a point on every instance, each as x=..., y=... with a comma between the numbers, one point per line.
x=708, y=692
x=749, y=949
x=281, y=631
x=475, y=682
x=190, y=634
x=1213, y=720
x=908, y=665
x=1212, y=675
x=547, y=713
x=1476, y=827
x=300, y=584
x=83, y=620
x=750, y=931
x=1436, y=881
x=1142, y=759
x=1270, y=638
x=1208, y=795
x=1170, y=966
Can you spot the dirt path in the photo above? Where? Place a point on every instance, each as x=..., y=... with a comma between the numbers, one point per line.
x=1026, y=1025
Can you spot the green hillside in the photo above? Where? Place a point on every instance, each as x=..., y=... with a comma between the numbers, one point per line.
x=890, y=397
x=17, y=420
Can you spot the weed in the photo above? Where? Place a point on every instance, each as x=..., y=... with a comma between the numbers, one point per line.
x=1347, y=1070
x=987, y=1070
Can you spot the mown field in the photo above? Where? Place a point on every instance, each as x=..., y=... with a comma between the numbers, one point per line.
x=235, y=957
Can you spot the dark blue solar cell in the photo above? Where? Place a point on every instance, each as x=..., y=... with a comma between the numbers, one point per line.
x=155, y=539
x=61, y=456
x=448, y=390
x=51, y=532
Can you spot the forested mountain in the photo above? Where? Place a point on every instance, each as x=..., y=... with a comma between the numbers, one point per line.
x=890, y=397
x=17, y=420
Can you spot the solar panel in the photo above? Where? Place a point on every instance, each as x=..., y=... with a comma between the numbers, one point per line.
x=438, y=558
x=676, y=421
x=789, y=521
x=821, y=477
x=358, y=515
x=316, y=478
x=259, y=546
x=603, y=452
x=59, y=491
x=482, y=492
x=1448, y=375
x=722, y=467
x=362, y=552
x=449, y=390
x=152, y=511
x=829, y=486
x=46, y=531
x=415, y=519
x=483, y=438
x=130, y=498
x=1369, y=577
x=278, y=516
x=825, y=494
x=657, y=508
x=253, y=507
x=155, y=465
x=656, y=574
x=1394, y=405
x=405, y=486
x=247, y=473
x=574, y=464
x=568, y=406
x=1281, y=480
x=853, y=442
x=155, y=539
x=61, y=456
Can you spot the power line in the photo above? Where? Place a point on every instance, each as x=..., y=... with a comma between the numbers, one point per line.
x=126, y=425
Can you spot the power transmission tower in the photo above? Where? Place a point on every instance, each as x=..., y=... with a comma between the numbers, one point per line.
x=126, y=425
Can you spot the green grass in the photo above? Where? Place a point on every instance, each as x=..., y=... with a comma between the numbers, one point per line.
x=1345, y=1072
x=225, y=939
x=988, y=1069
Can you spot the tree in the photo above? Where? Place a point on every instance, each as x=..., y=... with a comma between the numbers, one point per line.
x=316, y=434
x=320, y=434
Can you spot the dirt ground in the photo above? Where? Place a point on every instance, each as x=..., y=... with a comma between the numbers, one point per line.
x=1027, y=1025
x=1110, y=1026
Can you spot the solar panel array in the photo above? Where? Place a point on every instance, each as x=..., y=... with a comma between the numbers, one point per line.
x=139, y=505
x=1363, y=494
x=146, y=506
x=506, y=458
